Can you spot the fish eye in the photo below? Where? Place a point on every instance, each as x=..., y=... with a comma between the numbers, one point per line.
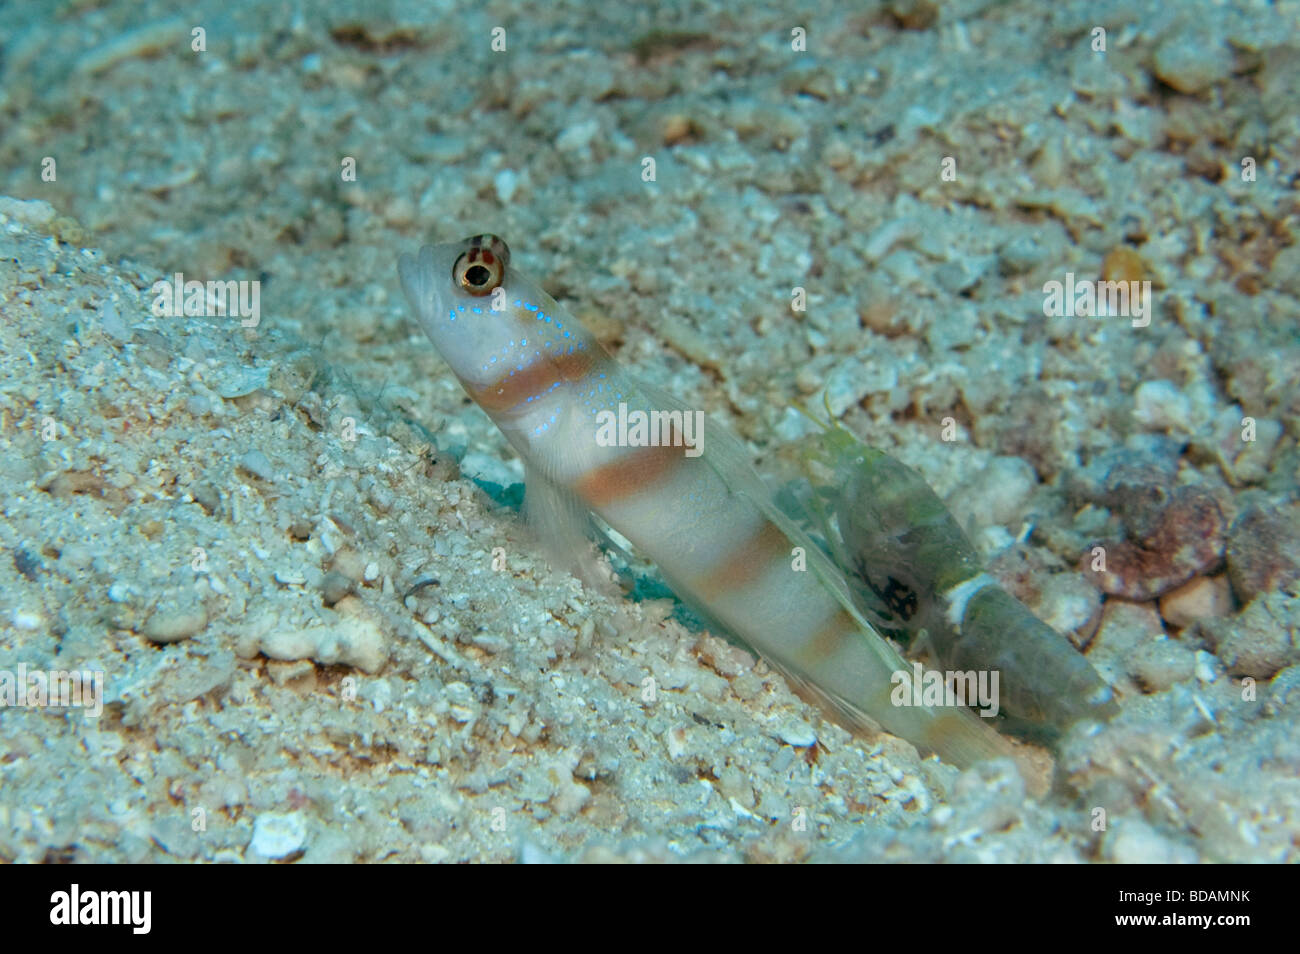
x=481, y=268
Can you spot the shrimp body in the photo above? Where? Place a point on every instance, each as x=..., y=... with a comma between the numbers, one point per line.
x=691, y=503
x=914, y=567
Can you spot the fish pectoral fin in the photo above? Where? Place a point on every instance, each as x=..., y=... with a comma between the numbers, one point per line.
x=563, y=527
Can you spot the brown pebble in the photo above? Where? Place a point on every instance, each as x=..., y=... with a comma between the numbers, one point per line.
x=1201, y=597
x=914, y=14
x=1264, y=550
x=1175, y=542
x=1123, y=264
x=70, y=482
x=676, y=128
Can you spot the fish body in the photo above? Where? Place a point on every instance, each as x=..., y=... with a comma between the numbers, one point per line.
x=700, y=513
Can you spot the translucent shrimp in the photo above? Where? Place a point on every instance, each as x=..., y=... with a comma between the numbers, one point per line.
x=912, y=568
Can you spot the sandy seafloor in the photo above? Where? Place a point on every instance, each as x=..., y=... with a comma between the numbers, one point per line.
x=183, y=509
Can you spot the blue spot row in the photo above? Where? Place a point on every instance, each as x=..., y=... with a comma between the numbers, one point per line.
x=542, y=427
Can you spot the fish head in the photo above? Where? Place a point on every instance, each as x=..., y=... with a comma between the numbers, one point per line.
x=475, y=308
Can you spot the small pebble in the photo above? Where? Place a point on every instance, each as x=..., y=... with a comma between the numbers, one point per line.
x=26, y=620
x=349, y=563
x=257, y=464
x=1191, y=62
x=207, y=497
x=505, y=183
x=353, y=640
x=1203, y=596
x=796, y=732
x=239, y=382
x=334, y=587
x=1123, y=264
x=1020, y=255
x=846, y=386
x=278, y=835
x=174, y=623
x=1070, y=605
x=675, y=128
x=578, y=136
x=1207, y=667
x=1160, y=406
x=33, y=212
x=112, y=322
x=400, y=211
x=137, y=42
x=995, y=494
x=1129, y=840
x=1260, y=640
x=1161, y=663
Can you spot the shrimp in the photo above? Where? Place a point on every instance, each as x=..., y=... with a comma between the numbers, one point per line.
x=913, y=568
